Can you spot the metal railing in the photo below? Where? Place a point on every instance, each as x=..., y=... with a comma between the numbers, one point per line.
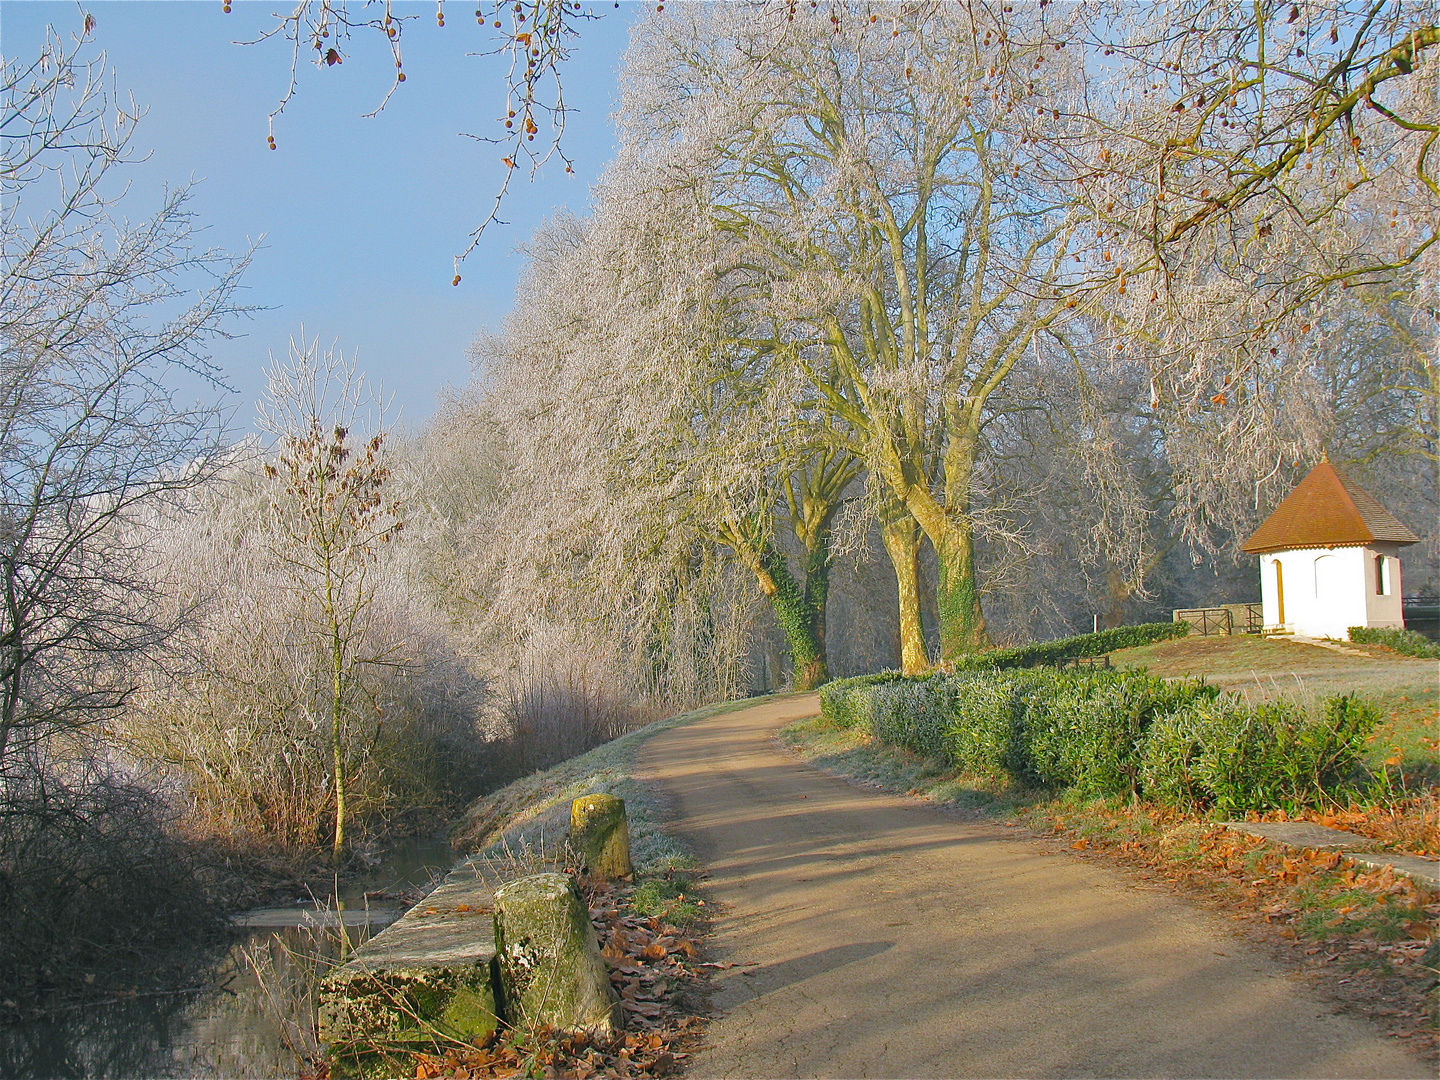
x=1224, y=620
x=1422, y=614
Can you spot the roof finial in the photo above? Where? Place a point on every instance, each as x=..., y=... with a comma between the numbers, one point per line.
x=1324, y=456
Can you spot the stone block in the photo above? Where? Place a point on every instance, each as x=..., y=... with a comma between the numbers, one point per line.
x=600, y=835
x=428, y=979
x=549, y=959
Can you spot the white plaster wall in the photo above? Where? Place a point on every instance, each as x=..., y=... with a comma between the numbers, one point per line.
x=1325, y=590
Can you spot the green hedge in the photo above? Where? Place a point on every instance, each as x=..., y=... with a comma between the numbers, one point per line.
x=1050, y=653
x=1088, y=734
x=1114, y=733
x=848, y=709
x=1237, y=757
x=1080, y=730
x=1407, y=642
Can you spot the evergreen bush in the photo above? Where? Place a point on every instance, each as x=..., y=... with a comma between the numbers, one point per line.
x=1106, y=733
x=986, y=737
x=1087, y=733
x=1168, y=759
x=1406, y=642
x=1050, y=653
x=913, y=714
x=845, y=703
x=1235, y=757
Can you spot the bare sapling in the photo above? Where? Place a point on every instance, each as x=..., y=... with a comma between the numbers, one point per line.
x=332, y=511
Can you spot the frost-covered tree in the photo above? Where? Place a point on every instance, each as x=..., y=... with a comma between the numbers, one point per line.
x=914, y=198
x=832, y=237
x=332, y=510
x=883, y=209
x=96, y=312
x=594, y=536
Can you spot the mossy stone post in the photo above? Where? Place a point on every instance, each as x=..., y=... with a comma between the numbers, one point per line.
x=600, y=835
x=551, y=970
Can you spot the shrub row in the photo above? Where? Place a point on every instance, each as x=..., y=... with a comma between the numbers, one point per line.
x=1050, y=653
x=1407, y=642
x=1114, y=733
x=840, y=706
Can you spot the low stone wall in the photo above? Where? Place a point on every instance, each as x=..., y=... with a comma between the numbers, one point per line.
x=496, y=943
x=429, y=977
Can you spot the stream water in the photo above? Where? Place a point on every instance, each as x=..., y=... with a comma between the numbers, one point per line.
x=239, y=1025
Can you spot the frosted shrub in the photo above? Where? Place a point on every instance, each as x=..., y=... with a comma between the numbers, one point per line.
x=1117, y=733
x=986, y=734
x=241, y=718
x=846, y=702
x=1086, y=733
x=912, y=714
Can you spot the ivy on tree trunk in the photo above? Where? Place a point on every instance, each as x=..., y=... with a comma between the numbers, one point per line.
x=800, y=610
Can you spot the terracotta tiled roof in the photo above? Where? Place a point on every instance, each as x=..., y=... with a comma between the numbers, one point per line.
x=1327, y=509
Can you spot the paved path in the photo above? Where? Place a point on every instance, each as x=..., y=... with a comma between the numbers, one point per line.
x=894, y=941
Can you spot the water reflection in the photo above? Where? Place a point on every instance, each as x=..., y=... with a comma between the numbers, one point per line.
x=133, y=1039
x=240, y=1025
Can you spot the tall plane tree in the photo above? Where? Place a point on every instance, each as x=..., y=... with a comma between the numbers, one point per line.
x=884, y=203
x=634, y=403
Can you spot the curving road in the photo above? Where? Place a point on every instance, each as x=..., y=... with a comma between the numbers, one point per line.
x=890, y=940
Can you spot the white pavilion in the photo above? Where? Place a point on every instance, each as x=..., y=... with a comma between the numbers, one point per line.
x=1329, y=558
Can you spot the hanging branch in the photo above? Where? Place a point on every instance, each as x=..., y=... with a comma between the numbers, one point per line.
x=535, y=35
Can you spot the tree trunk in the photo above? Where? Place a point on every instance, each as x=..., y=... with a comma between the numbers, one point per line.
x=13, y=644
x=337, y=747
x=947, y=525
x=794, y=611
x=796, y=614
x=816, y=596
x=962, y=622
x=1118, y=591
x=902, y=542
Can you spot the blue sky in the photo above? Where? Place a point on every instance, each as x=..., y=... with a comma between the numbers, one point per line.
x=360, y=217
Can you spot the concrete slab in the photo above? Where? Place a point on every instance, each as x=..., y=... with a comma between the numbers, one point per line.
x=280, y=917
x=1426, y=871
x=1301, y=834
x=430, y=975
x=1324, y=643
x=1305, y=834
